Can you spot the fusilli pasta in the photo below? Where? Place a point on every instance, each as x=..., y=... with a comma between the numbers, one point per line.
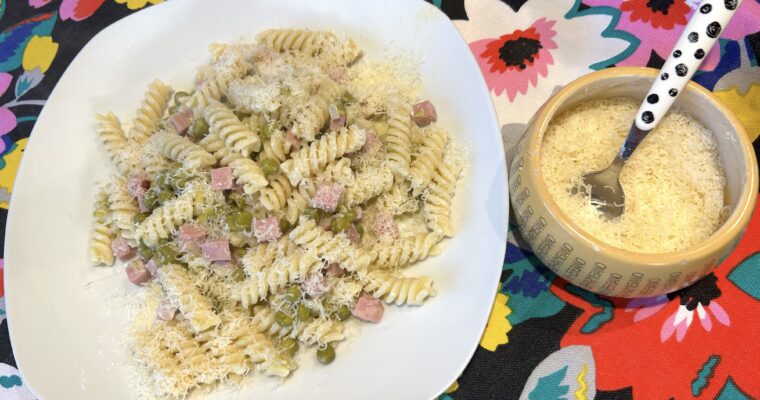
x=331, y=146
x=399, y=290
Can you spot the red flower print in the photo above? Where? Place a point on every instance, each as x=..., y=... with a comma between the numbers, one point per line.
x=661, y=343
x=76, y=10
x=514, y=61
x=658, y=13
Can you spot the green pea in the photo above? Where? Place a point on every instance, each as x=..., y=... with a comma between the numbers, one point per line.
x=162, y=181
x=293, y=293
x=269, y=166
x=151, y=199
x=302, y=312
x=289, y=346
x=139, y=218
x=283, y=319
x=326, y=355
x=239, y=221
x=165, y=255
x=339, y=224
x=179, y=96
x=180, y=182
x=343, y=313
x=145, y=252
x=359, y=229
x=238, y=275
x=165, y=195
x=311, y=213
x=350, y=215
x=207, y=215
x=348, y=98
x=199, y=129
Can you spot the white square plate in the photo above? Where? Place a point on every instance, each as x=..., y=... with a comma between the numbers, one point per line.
x=64, y=324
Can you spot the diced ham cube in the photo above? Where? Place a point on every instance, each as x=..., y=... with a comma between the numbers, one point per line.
x=137, y=273
x=152, y=267
x=166, y=310
x=137, y=184
x=267, y=229
x=140, y=195
x=216, y=250
x=121, y=249
x=334, y=270
x=424, y=113
x=353, y=235
x=314, y=284
x=338, y=123
x=384, y=226
x=189, y=237
x=295, y=143
x=221, y=178
x=369, y=309
x=372, y=143
x=327, y=196
x=181, y=120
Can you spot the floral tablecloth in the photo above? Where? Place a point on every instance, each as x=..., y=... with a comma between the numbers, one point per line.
x=545, y=339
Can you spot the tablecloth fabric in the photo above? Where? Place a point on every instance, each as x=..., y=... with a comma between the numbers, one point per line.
x=545, y=339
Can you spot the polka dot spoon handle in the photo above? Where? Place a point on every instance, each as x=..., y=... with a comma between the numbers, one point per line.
x=699, y=36
x=695, y=42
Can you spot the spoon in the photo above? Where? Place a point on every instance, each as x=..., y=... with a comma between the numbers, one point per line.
x=692, y=46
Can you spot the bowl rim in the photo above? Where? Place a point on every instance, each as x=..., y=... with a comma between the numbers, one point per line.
x=728, y=231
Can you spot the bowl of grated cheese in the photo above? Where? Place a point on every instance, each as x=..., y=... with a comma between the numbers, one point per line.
x=690, y=188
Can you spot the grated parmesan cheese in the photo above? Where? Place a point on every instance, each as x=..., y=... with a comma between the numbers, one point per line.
x=674, y=182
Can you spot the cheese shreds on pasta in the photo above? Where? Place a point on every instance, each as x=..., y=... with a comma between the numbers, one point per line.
x=269, y=204
x=673, y=184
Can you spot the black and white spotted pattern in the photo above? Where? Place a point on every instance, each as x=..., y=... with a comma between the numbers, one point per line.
x=692, y=47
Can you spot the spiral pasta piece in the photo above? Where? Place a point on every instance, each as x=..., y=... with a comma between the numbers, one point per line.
x=369, y=184
x=236, y=135
x=399, y=290
x=213, y=144
x=332, y=248
x=306, y=41
x=193, y=358
x=263, y=322
x=182, y=150
x=437, y=200
x=248, y=174
x=276, y=148
x=398, y=142
x=312, y=43
x=405, y=251
x=275, y=197
x=123, y=209
x=275, y=276
x=318, y=331
x=101, y=234
x=150, y=112
x=299, y=200
x=309, y=117
x=166, y=219
x=236, y=346
x=115, y=143
x=181, y=291
x=167, y=377
x=213, y=88
x=331, y=146
x=425, y=162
